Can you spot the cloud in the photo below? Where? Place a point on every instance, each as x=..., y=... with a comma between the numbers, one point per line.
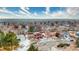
x=22, y=13
x=5, y=11
x=25, y=10
x=47, y=11
x=58, y=14
x=68, y=13
x=73, y=11
x=25, y=14
x=35, y=14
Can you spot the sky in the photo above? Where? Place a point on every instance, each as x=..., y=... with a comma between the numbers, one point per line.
x=39, y=12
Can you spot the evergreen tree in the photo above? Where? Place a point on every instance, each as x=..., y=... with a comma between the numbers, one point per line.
x=32, y=48
x=2, y=36
x=31, y=29
x=8, y=41
x=77, y=42
x=11, y=40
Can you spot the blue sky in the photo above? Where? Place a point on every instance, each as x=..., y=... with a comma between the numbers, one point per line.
x=39, y=12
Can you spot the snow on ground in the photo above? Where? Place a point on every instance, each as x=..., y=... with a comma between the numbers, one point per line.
x=24, y=43
x=47, y=44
